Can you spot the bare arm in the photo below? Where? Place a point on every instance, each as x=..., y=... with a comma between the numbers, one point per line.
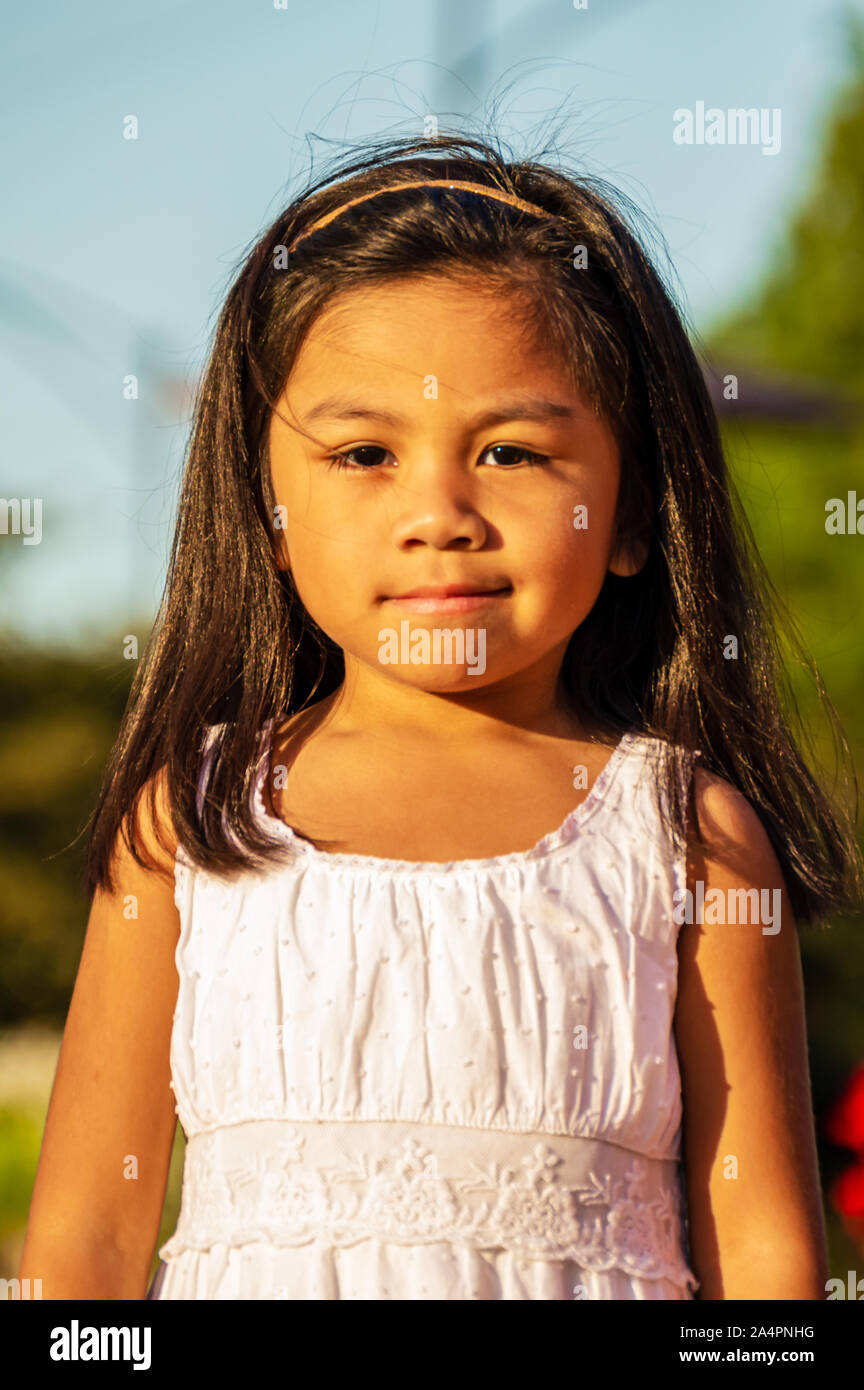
x=752, y=1175
x=103, y=1167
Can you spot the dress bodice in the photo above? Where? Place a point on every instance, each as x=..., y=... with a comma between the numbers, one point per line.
x=480, y=1051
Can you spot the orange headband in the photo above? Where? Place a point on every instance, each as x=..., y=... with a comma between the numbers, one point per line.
x=497, y=193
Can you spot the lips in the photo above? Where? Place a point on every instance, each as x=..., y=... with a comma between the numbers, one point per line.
x=450, y=598
x=451, y=591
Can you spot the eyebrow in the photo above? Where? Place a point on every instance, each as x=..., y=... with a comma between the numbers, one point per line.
x=537, y=408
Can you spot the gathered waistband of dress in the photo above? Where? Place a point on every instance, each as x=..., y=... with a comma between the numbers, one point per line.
x=543, y=1196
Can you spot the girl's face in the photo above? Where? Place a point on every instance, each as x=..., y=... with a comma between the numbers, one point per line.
x=472, y=462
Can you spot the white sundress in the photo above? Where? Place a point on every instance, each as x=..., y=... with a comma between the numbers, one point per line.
x=421, y=1081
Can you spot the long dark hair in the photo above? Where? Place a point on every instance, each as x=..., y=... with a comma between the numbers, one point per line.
x=233, y=644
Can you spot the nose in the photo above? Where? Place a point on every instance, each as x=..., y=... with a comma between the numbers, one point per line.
x=440, y=514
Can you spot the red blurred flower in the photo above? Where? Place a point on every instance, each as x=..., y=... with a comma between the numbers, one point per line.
x=844, y=1124
x=847, y=1193
x=847, y=1198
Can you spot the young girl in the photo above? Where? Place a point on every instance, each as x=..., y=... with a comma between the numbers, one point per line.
x=484, y=993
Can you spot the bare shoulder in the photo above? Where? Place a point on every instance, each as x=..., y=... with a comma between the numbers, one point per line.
x=745, y=896
x=141, y=893
x=732, y=830
x=155, y=834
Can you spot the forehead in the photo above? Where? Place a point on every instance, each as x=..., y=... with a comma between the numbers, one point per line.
x=470, y=336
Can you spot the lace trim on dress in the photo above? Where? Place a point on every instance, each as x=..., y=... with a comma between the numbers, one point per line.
x=289, y=1183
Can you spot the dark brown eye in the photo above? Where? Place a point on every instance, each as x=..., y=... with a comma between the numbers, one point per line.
x=517, y=453
x=344, y=460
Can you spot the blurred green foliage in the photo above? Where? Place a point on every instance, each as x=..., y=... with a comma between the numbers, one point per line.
x=20, y=1139
x=58, y=720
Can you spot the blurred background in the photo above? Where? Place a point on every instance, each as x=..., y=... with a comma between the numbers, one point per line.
x=145, y=151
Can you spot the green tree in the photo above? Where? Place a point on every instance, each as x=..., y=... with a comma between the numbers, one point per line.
x=808, y=317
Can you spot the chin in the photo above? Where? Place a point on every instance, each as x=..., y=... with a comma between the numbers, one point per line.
x=438, y=681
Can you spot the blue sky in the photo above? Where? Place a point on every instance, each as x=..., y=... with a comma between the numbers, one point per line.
x=116, y=254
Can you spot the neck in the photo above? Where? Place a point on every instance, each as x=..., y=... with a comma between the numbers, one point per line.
x=530, y=701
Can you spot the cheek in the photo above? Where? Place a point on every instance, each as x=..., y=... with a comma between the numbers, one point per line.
x=321, y=568
x=325, y=552
x=290, y=478
x=567, y=582
x=319, y=512
x=306, y=526
x=326, y=593
x=576, y=550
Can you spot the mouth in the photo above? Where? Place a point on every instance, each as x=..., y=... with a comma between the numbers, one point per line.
x=448, y=598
